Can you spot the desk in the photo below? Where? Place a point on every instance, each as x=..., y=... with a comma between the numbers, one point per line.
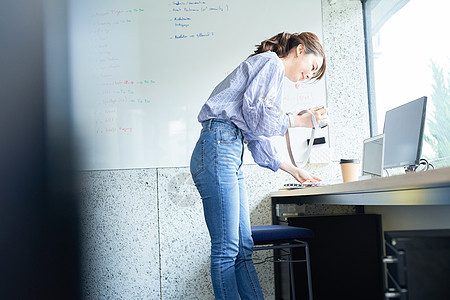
x=409, y=201
x=422, y=195
x=422, y=188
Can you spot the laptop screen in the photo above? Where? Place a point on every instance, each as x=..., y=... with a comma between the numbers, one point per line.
x=373, y=156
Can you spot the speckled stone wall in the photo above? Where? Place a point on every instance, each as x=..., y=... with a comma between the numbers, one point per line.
x=184, y=238
x=143, y=232
x=343, y=33
x=120, y=235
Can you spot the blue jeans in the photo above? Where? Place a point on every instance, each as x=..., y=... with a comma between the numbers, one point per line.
x=216, y=170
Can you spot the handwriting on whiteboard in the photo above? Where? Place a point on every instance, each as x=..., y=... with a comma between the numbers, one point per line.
x=186, y=18
x=117, y=95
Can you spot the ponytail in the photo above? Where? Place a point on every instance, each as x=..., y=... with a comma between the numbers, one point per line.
x=277, y=44
x=283, y=42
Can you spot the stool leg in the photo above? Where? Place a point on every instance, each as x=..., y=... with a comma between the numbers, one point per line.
x=308, y=271
x=291, y=273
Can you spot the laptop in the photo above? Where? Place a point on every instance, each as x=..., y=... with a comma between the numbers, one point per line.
x=373, y=157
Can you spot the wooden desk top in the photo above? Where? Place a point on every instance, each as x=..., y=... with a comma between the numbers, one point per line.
x=413, y=186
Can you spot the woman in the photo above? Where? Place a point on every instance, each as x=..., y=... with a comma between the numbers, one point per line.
x=247, y=106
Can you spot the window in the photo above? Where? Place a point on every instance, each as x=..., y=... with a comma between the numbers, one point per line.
x=408, y=56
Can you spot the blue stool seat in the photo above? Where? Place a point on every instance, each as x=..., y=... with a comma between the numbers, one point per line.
x=269, y=234
x=273, y=237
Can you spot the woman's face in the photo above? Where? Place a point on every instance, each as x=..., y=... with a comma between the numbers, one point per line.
x=302, y=66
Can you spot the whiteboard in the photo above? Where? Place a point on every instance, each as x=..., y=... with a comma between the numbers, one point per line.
x=141, y=70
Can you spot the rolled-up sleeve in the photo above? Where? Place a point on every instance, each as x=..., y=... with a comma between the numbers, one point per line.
x=264, y=152
x=261, y=107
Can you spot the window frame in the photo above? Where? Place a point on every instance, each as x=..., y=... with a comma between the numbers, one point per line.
x=370, y=74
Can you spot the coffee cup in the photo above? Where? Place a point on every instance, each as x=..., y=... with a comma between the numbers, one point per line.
x=349, y=169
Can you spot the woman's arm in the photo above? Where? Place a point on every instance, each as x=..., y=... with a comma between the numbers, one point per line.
x=299, y=174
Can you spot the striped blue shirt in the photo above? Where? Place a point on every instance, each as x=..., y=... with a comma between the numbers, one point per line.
x=250, y=97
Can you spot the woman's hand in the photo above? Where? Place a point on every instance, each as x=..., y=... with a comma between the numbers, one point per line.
x=304, y=119
x=319, y=112
x=299, y=174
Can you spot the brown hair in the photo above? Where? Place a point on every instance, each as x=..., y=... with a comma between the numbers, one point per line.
x=283, y=42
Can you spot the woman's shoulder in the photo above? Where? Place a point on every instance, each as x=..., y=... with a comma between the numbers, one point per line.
x=267, y=58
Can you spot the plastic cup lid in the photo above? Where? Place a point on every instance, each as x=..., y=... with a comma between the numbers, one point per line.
x=349, y=161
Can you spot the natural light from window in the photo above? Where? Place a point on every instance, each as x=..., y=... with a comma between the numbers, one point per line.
x=412, y=59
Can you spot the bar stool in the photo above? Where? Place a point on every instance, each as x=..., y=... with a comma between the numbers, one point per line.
x=271, y=237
